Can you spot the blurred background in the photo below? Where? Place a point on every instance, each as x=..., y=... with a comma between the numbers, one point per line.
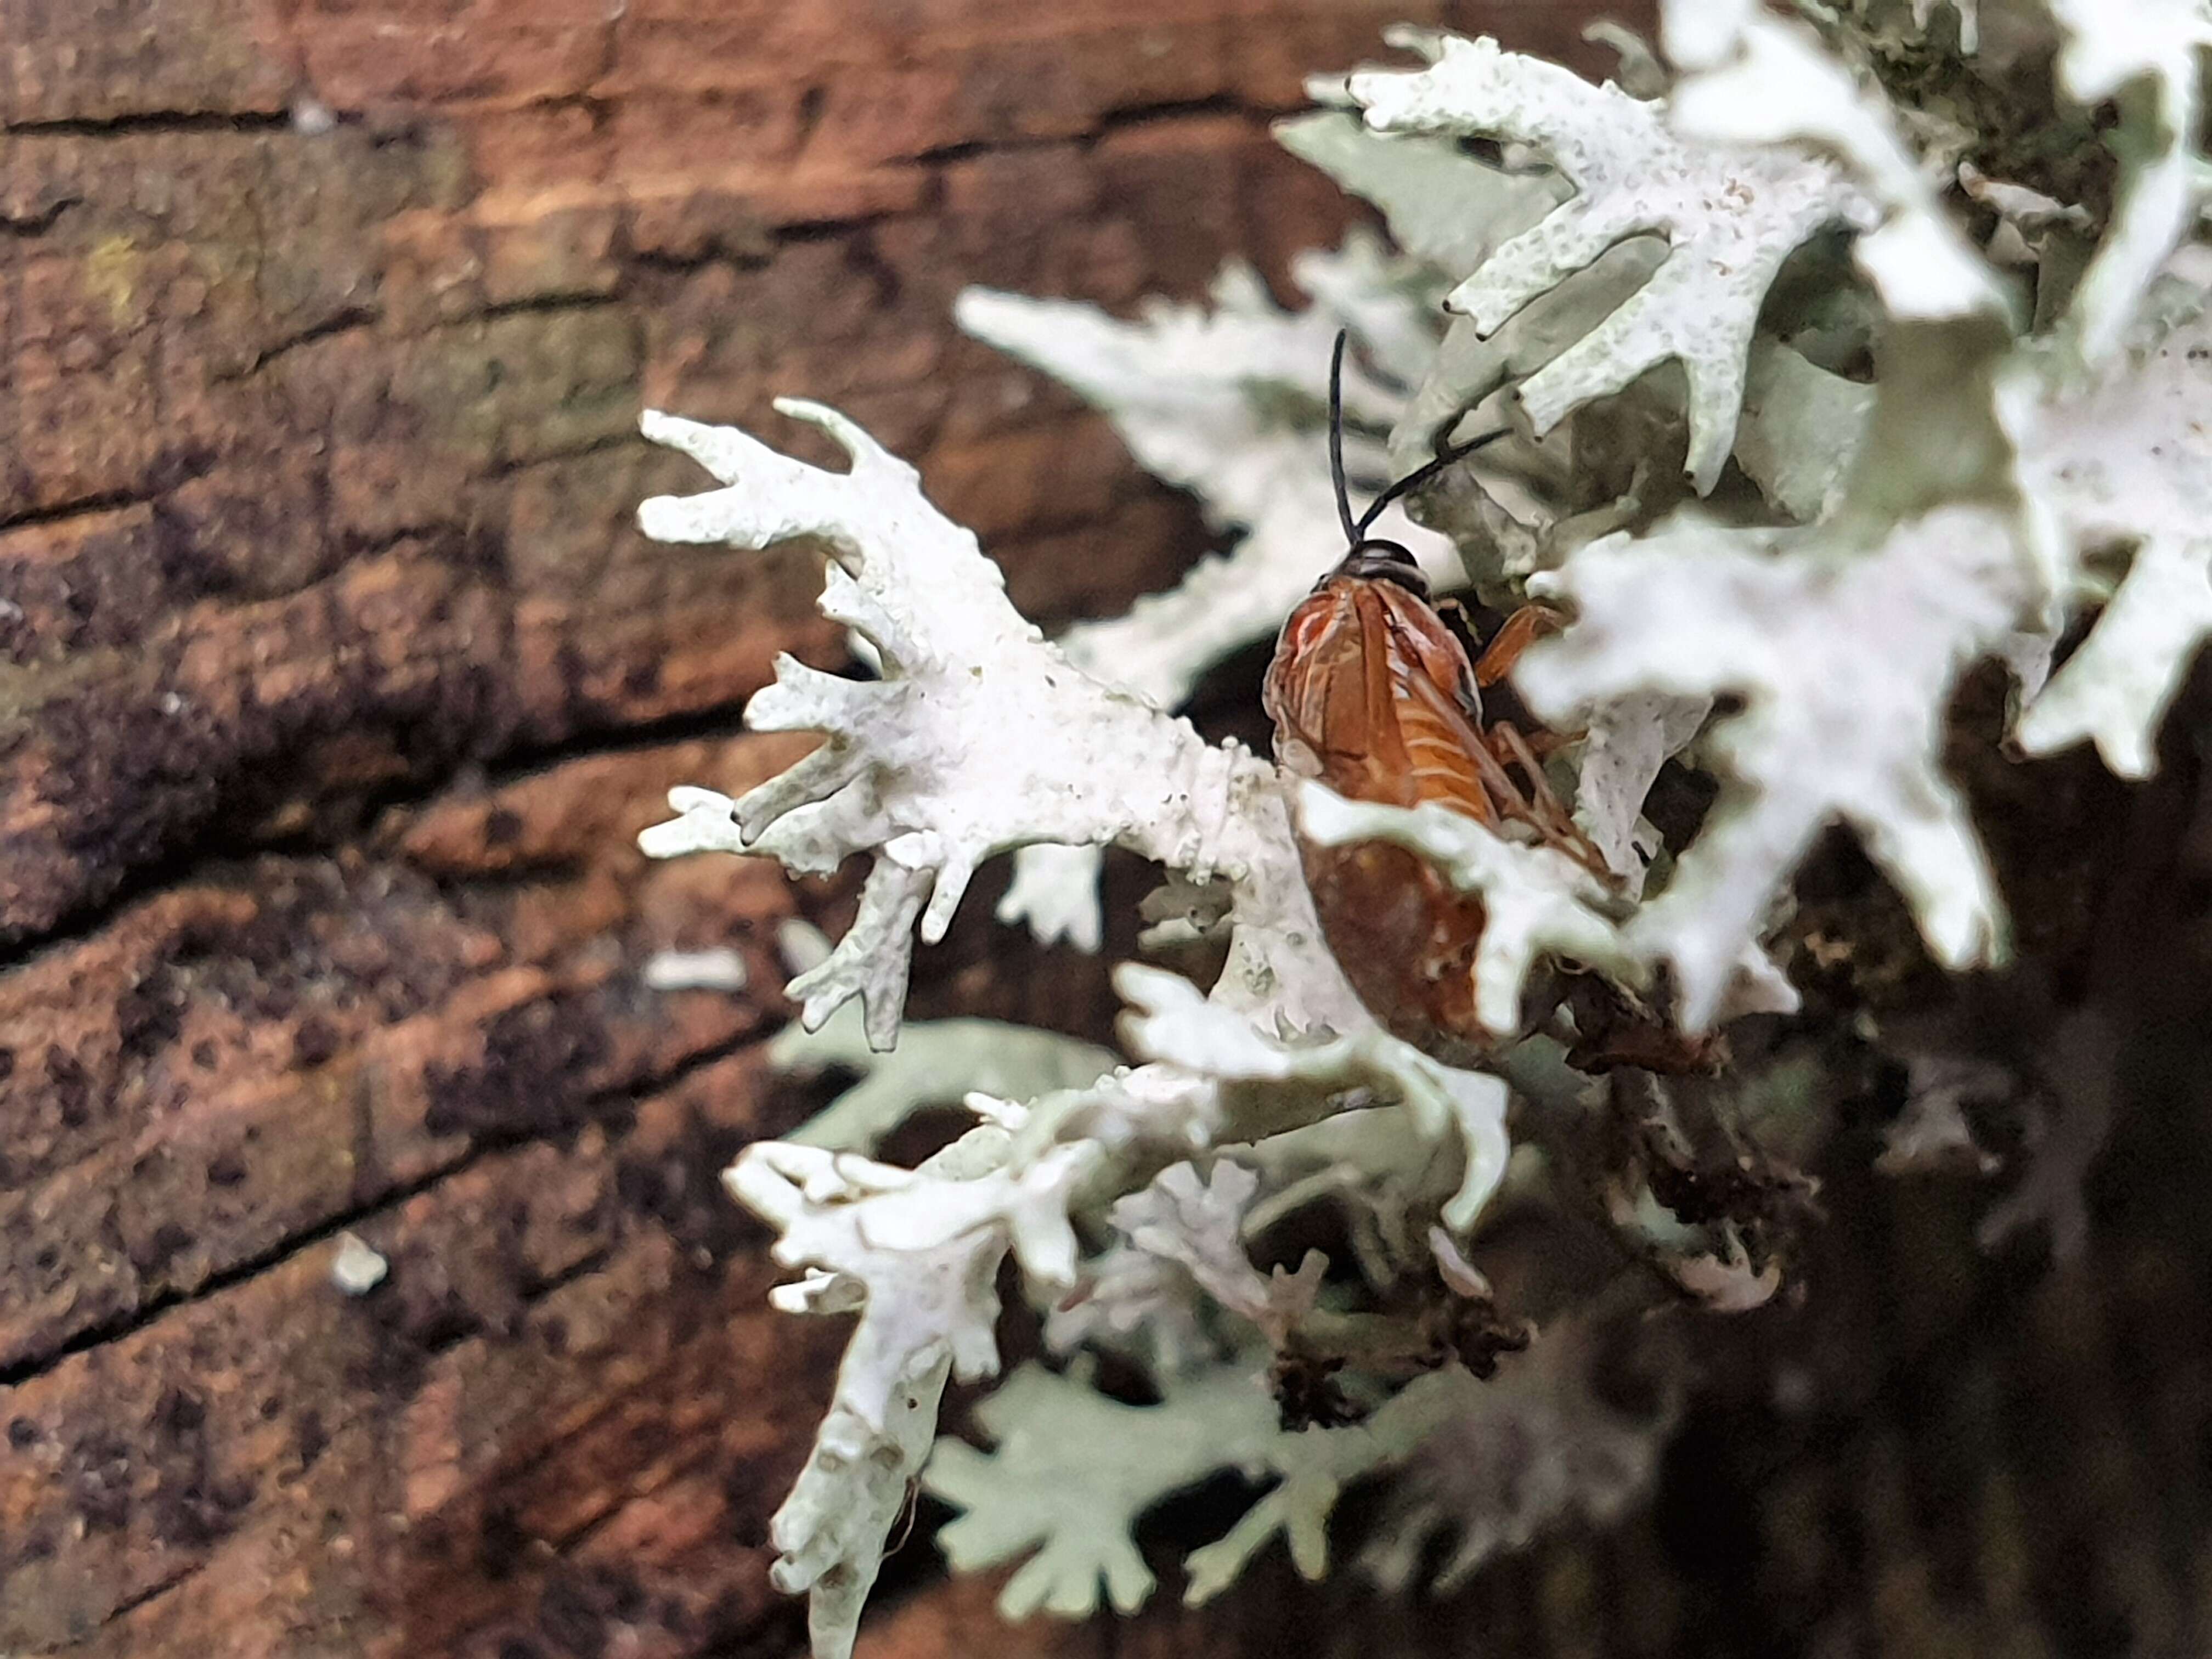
x=334, y=684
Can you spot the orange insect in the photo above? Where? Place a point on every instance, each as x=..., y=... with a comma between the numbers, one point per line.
x=1373, y=695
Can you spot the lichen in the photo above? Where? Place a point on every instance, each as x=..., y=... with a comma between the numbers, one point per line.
x=1729, y=218
x=1934, y=388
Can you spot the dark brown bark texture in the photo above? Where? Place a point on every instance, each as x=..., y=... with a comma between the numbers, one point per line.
x=334, y=684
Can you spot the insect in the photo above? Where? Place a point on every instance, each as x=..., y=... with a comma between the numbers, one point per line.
x=1373, y=694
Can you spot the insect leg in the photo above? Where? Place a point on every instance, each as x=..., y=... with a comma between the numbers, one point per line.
x=1507, y=797
x=1552, y=817
x=1516, y=634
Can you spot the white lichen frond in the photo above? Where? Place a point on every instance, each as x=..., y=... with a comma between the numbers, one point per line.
x=1478, y=369
x=1931, y=552
x=2143, y=54
x=1196, y=1222
x=1766, y=82
x=1172, y=1024
x=1729, y=215
x=1939, y=544
x=1140, y=1292
x=916, y=1254
x=1443, y=206
x=1536, y=900
x=1627, y=742
x=1228, y=401
x=980, y=736
x=2112, y=450
x=1833, y=725
x=2129, y=461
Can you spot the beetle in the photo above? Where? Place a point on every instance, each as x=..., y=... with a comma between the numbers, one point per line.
x=1372, y=693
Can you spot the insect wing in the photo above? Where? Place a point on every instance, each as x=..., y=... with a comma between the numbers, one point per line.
x=1443, y=753
x=1366, y=693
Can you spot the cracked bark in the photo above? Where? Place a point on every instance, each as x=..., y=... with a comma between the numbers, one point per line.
x=334, y=685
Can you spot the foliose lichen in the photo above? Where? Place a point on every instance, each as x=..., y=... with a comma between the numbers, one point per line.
x=1825, y=387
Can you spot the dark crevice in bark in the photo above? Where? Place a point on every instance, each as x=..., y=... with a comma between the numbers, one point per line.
x=170, y=473
x=152, y=1592
x=724, y=720
x=151, y=121
x=548, y=305
x=201, y=858
x=342, y=322
x=84, y=507
x=1109, y=122
x=448, y=1341
x=30, y=225
x=970, y=150
x=131, y=1321
x=1127, y=116
x=797, y=231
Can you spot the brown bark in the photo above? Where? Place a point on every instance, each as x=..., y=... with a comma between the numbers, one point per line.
x=336, y=685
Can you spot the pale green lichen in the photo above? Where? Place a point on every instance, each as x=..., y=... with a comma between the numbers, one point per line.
x=1022, y=1499
x=938, y=1063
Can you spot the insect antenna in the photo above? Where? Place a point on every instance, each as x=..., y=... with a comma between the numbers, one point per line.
x=1336, y=440
x=1421, y=475
x=1356, y=529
